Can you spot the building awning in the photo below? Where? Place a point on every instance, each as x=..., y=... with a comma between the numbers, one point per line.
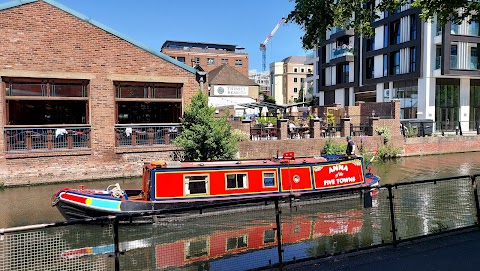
x=229, y=101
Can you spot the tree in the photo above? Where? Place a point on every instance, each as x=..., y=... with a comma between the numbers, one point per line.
x=315, y=17
x=268, y=99
x=203, y=136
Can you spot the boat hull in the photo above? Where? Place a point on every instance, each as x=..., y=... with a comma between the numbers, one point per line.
x=78, y=210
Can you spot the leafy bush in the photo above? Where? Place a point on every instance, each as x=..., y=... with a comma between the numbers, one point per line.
x=333, y=148
x=388, y=151
x=240, y=135
x=411, y=131
x=385, y=132
x=203, y=136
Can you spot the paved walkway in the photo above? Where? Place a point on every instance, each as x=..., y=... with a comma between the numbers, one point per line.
x=454, y=251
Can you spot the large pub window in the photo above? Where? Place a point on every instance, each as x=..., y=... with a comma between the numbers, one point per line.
x=138, y=103
x=32, y=101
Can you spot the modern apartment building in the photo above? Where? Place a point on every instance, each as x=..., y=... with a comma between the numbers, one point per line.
x=261, y=78
x=292, y=72
x=432, y=69
x=207, y=55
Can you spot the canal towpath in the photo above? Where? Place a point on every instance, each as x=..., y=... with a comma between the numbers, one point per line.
x=447, y=252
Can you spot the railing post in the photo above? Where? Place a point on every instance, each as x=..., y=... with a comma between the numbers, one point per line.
x=116, y=243
x=475, y=194
x=392, y=215
x=28, y=140
x=150, y=136
x=7, y=140
x=278, y=213
x=134, y=138
x=49, y=139
x=70, y=139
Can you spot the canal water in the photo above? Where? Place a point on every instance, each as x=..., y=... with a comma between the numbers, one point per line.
x=32, y=205
x=245, y=240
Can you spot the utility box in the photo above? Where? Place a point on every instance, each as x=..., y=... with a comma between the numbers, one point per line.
x=424, y=127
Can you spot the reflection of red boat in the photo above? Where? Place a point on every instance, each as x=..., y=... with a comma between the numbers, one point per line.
x=220, y=243
x=180, y=184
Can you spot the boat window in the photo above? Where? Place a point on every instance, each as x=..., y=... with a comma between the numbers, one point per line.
x=196, y=248
x=268, y=179
x=237, y=180
x=237, y=242
x=196, y=184
x=269, y=236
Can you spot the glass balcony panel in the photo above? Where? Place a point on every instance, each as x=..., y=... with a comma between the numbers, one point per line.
x=438, y=62
x=473, y=63
x=453, y=62
x=346, y=50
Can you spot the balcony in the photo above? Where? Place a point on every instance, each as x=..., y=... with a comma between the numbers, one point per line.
x=473, y=63
x=454, y=62
x=473, y=30
x=47, y=139
x=345, y=50
x=438, y=62
x=145, y=136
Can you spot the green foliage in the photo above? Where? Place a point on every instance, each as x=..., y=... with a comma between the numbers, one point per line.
x=385, y=132
x=265, y=120
x=330, y=118
x=203, y=136
x=240, y=135
x=388, y=151
x=333, y=148
x=315, y=17
x=268, y=99
x=411, y=131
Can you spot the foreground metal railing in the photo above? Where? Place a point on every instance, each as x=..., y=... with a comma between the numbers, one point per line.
x=254, y=234
x=60, y=138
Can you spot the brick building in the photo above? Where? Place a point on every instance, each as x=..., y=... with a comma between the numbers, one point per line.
x=81, y=97
x=207, y=55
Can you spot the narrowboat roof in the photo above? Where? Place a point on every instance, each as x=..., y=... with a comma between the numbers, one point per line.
x=236, y=163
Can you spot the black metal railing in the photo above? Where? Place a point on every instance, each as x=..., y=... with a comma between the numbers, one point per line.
x=268, y=232
x=59, y=138
x=146, y=135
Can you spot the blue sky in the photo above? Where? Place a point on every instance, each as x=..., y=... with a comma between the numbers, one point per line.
x=246, y=23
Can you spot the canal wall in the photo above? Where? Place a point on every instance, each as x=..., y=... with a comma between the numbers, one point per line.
x=128, y=163
x=440, y=145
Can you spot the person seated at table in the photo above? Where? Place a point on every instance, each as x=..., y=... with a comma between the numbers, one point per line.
x=292, y=128
x=305, y=129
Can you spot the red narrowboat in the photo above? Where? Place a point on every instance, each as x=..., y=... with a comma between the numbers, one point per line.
x=172, y=184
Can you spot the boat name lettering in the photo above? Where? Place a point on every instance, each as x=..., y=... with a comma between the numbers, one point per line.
x=339, y=181
x=337, y=168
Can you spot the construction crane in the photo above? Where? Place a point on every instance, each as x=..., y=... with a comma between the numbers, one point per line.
x=263, y=45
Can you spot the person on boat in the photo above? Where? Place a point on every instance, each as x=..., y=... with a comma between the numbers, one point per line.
x=350, y=147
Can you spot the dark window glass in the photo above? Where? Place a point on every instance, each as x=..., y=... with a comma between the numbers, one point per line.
x=385, y=35
x=41, y=112
x=395, y=60
x=370, y=68
x=132, y=92
x=413, y=57
x=26, y=89
x=167, y=92
x=181, y=59
x=148, y=112
x=68, y=90
x=413, y=27
x=343, y=71
x=395, y=35
x=385, y=65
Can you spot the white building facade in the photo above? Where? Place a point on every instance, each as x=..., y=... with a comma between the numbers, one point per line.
x=433, y=70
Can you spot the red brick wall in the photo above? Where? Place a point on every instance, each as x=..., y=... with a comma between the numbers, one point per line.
x=264, y=149
x=39, y=39
x=439, y=144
